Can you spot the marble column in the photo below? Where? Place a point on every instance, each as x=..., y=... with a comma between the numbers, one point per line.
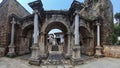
x=76, y=48
x=11, y=47
x=35, y=57
x=76, y=31
x=98, y=47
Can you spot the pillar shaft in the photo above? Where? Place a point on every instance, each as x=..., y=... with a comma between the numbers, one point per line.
x=11, y=52
x=12, y=34
x=76, y=29
x=35, y=56
x=98, y=35
x=36, y=28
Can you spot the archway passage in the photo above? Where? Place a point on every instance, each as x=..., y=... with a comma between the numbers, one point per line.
x=26, y=40
x=56, y=40
x=55, y=44
x=56, y=25
x=86, y=42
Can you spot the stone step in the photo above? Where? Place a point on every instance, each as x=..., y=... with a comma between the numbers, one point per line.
x=43, y=66
x=60, y=66
x=57, y=66
x=52, y=66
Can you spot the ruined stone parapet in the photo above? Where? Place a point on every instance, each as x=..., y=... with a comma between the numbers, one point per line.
x=112, y=51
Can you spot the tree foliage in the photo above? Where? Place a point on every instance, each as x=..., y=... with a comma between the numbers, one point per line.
x=115, y=34
x=117, y=16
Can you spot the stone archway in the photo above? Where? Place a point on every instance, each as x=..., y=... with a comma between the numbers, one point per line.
x=26, y=40
x=86, y=41
x=43, y=38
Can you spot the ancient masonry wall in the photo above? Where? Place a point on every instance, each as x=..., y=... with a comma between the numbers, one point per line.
x=111, y=51
x=8, y=7
x=104, y=9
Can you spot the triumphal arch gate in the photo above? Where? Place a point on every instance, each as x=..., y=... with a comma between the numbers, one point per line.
x=81, y=34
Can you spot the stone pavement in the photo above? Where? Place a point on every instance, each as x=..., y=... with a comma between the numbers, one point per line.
x=96, y=63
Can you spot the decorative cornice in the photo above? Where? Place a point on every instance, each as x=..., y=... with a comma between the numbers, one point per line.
x=36, y=5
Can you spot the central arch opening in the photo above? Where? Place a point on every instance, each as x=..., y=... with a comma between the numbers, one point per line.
x=56, y=31
x=55, y=40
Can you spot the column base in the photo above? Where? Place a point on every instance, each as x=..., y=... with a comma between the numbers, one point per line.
x=35, y=57
x=76, y=52
x=11, y=55
x=98, y=53
x=11, y=52
x=34, y=61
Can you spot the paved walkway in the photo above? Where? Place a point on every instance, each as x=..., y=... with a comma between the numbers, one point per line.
x=97, y=63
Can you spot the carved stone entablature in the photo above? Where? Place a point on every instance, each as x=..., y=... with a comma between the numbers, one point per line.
x=36, y=5
x=55, y=14
x=76, y=6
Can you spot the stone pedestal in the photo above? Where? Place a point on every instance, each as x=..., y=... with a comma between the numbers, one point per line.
x=2, y=51
x=98, y=52
x=11, y=52
x=76, y=59
x=35, y=57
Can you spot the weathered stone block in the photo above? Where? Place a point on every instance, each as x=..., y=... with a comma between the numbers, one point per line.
x=112, y=51
x=2, y=51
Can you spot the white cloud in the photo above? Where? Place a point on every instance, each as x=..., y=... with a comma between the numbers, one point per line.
x=115, y=20
x=0, y=1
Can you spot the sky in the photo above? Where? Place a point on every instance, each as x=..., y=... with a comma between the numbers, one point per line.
x=62, y=4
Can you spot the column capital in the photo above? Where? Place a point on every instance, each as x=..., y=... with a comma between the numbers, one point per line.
x=13, y=21
x=76, y=12
x=35, y=12
x=98, y=24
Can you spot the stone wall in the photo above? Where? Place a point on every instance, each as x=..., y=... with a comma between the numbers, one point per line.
x=104, y=9
x=112, y=51
x=17, y=9
x=8, y=7
x=4, y=29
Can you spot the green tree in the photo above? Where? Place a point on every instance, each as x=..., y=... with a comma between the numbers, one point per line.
x=115, y=34
x=117, y=17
